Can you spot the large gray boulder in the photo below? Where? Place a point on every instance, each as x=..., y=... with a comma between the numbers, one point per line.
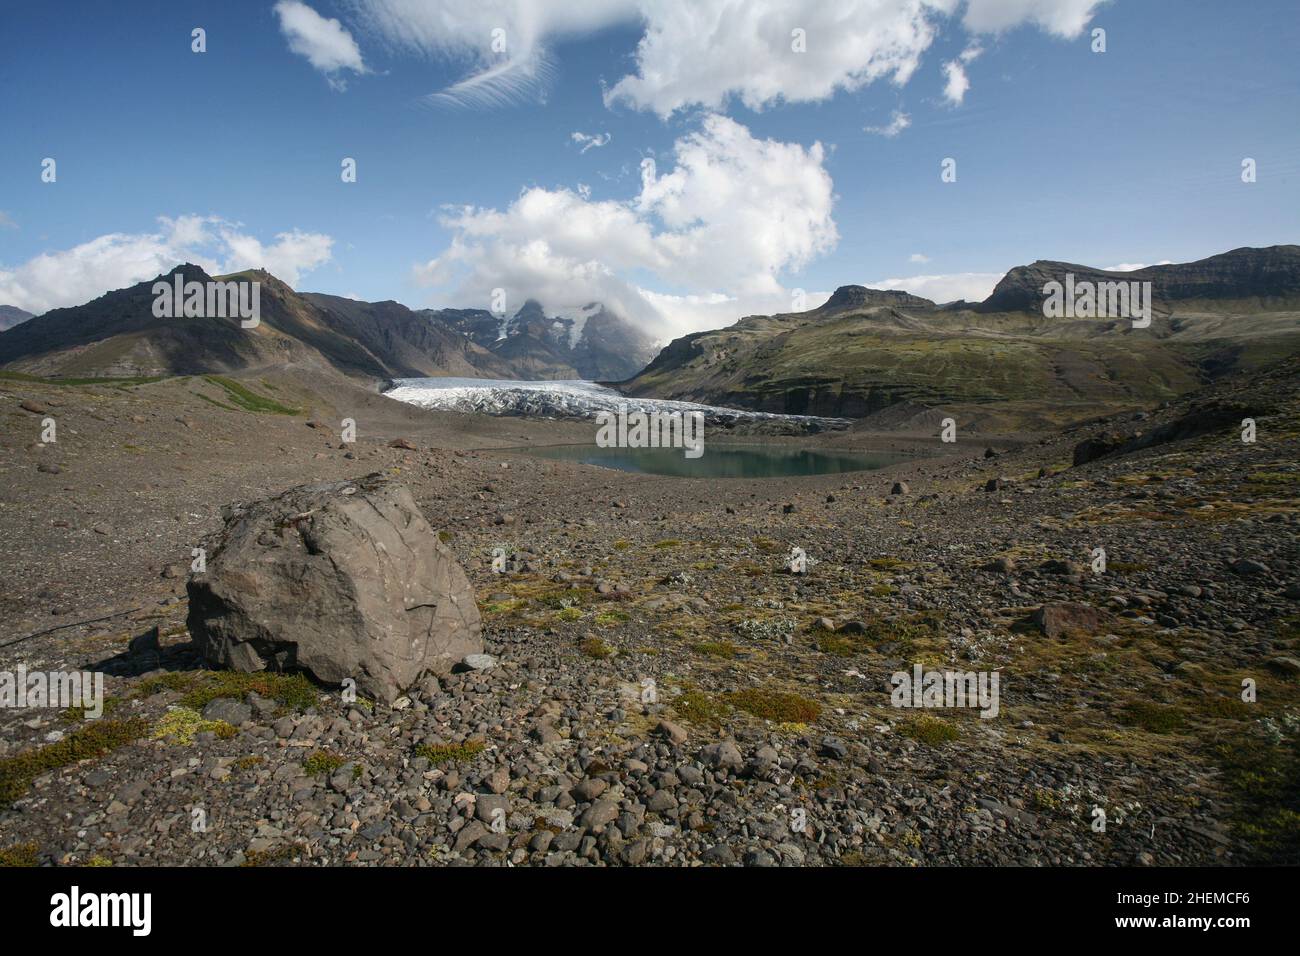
x=342, y=579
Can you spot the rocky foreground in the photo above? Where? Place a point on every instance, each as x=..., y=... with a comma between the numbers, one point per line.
x=658, y=687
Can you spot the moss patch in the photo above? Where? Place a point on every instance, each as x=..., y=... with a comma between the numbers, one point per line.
x=612, y=618
x=930, y=731
x=101, y=737
x=595, y=647
x=1151, y=717
x=721, y=649
x=20, y=854
x=180, y=725
x=248, y=400
x=698, y=707
x=1264, y=780
x=199, y=688
x=450, y=753
x=777, y=705
x=322, y=761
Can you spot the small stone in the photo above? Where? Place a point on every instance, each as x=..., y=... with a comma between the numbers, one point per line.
x=480, y=662
x=498, y=780
x=834, y=747
x=232, y=711
x=674, y=732
x=599, y=814
x=722, y=756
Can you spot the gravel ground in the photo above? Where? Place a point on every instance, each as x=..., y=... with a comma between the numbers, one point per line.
x=665, y=691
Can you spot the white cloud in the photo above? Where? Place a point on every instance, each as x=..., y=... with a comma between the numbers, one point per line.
x=956, y=82
x=971, y=286
x=700, y=53
x=590, y=141
x=325, y=43
x=1064, y=18
x=72, y=276
x=7, y=221
x=1134, y=266
x=508, y=66
x=898, y=122
x=918, y=257
x=705, y=52
x=732, y=215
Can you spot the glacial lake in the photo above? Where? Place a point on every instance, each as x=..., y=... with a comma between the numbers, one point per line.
x=721, y=461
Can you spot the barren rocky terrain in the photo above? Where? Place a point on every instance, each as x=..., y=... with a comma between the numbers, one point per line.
x=662, y=689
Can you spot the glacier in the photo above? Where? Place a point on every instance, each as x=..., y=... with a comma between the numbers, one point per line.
x=575, y=399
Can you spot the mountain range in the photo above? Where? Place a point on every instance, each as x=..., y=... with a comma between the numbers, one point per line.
x=865, y=350
x=595, y=345
x=862, y=351
x=118, y=335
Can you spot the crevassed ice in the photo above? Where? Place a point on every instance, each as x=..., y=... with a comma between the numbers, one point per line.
x=566, y=398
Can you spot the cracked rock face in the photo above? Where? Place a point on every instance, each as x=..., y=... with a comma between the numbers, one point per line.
x=342, y=579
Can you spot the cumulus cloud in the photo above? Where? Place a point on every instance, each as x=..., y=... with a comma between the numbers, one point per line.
x=697, y=54
x=706, y=52
x=720, y=227
x=72, y=276
x=590, y=141
x=325, y=43
x=898, y=122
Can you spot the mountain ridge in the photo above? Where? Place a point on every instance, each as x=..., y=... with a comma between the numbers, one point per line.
x=867, y=349
x=861, y=351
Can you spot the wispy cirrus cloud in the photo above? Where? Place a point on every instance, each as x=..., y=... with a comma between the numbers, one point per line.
x=590, y=140
x=898, y=122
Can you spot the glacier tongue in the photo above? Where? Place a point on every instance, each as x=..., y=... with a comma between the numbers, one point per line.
x=570, y=399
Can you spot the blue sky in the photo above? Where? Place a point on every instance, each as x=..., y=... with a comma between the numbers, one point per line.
x=1128, y=156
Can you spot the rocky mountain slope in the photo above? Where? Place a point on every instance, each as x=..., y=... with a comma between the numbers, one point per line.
x=596, y=344
x=11, y=315
x=865, y=349
x=117, y=335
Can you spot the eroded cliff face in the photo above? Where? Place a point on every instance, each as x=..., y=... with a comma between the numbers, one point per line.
x=1268, y=276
